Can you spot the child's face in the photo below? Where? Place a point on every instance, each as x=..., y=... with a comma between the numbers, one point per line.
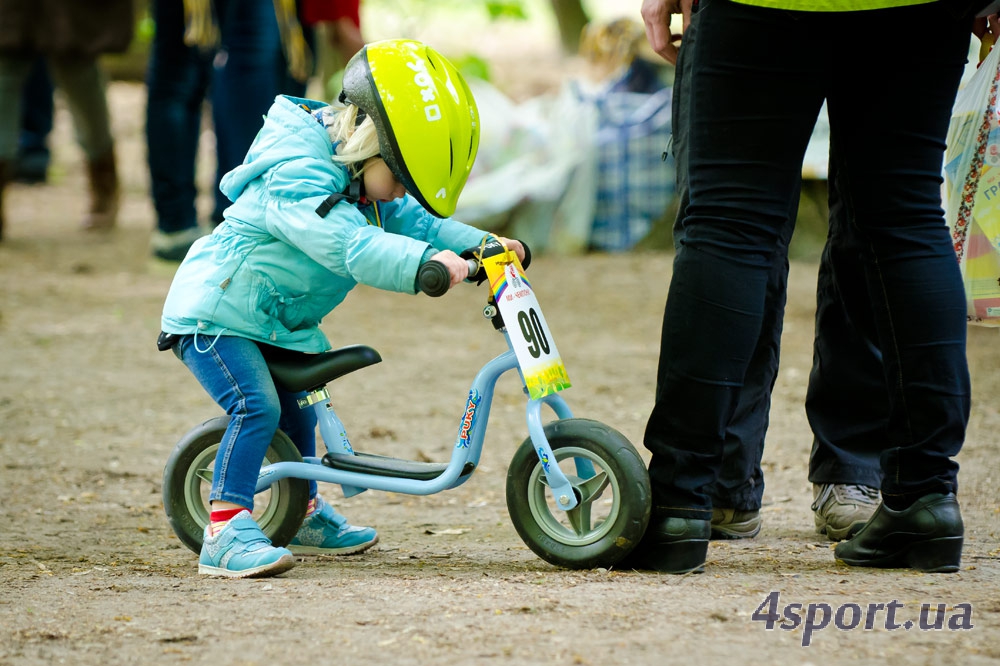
x=380, y=183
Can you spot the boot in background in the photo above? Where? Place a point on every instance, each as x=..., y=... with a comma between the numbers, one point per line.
x=104, y=193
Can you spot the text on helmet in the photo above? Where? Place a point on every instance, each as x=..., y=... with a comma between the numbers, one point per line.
x=426, y=84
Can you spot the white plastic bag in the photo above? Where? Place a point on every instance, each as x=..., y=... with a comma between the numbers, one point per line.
x=535, y=173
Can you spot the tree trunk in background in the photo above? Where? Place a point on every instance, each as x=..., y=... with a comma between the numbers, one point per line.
x=571, y=18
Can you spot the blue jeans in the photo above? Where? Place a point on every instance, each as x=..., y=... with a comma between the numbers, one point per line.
x=242, y=79
x=245, y=83
x=37, y=111
x=234, y=373
x=753, y=107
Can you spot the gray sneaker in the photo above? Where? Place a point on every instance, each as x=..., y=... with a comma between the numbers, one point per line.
x=841, y=509
x=735, y=524
x=174, y=246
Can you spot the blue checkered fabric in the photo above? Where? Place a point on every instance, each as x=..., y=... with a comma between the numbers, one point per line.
x=635, y=185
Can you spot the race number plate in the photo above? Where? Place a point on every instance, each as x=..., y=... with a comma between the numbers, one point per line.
x=543, y=370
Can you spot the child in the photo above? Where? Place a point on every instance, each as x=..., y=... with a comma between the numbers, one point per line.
x=325, y=199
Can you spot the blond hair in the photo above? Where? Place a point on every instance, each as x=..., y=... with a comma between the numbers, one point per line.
x=355, y=142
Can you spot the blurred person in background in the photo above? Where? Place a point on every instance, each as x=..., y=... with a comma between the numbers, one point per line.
x=70, y=35
x=238, y=56
x=219, y=50
x=340, y=23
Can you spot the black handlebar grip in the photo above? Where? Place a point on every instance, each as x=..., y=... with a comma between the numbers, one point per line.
x=433, y=278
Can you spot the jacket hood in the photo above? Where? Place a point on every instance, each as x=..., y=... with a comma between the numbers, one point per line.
x=290, y=132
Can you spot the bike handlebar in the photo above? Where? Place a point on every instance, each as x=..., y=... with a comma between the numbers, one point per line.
x=434, y=279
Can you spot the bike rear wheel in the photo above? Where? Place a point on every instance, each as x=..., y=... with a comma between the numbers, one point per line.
x=187, y=480
x=611, y=486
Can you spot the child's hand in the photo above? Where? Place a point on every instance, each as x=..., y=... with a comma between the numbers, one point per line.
x=515, y=245
x=458, y=268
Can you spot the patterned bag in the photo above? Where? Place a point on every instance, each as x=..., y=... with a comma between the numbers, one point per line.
x=972, y=189
x=635, y=184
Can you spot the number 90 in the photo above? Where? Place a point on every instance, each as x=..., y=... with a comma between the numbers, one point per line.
x=533, y=332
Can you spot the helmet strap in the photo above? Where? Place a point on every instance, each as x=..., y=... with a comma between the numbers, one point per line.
x=353, y=193
x=356, y=188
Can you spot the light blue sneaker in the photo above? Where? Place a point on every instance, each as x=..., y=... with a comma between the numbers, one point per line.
x=326, y=532
x=240, y=550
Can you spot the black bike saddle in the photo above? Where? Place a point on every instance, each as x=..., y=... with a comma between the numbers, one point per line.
x=297, y=371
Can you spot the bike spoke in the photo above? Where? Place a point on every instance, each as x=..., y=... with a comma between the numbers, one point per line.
x=592, y=488
x=205, y=475
x=589, y=489
x=579, y=518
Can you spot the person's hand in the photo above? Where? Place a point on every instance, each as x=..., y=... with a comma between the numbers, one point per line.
x=656, y=15
x=987, y=29
x=458, y=268
x=513, y=244
x=986, y=25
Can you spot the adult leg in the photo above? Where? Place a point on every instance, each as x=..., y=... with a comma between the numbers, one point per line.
x=738, y=492
x=753, y=108
x=84, y=83
x=750, y=124
x=36, y=123
x=716, y=303
x=14, y=71
x=287, y=83
x=892, y=169
x=846, y=378
x=244, y=82
x=892, y=166
x=177, y=79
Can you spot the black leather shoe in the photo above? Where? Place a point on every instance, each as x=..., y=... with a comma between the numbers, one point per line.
x=671, y=545
x=927, y=537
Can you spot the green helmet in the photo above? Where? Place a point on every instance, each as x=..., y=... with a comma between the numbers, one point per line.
x=424, y=114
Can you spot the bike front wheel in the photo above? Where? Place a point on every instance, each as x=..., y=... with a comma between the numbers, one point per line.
x=187, y=480
x=611, y=486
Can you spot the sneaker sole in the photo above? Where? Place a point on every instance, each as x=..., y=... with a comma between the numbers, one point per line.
x=346, y=550
x=281, y=565
x=735, y=531
x=834, y=534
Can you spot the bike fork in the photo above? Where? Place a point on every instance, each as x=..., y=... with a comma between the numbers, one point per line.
x=559, y=486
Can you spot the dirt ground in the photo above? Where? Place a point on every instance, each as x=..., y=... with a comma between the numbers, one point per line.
x=90, y=572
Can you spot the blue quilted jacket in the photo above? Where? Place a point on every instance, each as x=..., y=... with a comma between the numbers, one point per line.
x=274, y=268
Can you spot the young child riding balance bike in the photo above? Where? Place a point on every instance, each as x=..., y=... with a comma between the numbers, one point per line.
x=328, y=197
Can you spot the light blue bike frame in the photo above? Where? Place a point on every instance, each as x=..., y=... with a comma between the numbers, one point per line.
x=468, y=445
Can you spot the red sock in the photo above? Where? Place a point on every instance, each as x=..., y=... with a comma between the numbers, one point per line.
x=218, y=519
